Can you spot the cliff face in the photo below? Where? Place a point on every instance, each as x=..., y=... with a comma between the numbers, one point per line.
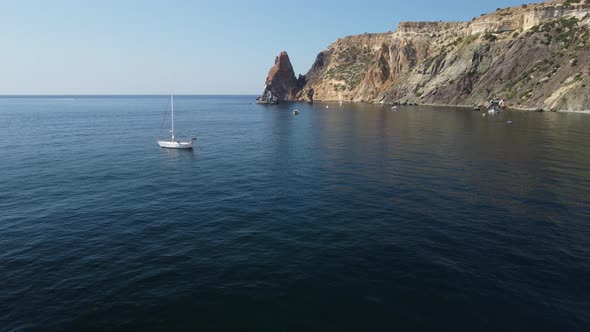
x=281, y=83
x=535, y=56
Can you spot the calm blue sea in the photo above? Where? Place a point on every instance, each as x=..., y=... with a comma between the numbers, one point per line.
x=356, y=218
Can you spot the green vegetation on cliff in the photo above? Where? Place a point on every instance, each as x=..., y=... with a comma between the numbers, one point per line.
x=351, y=64
x=534, y=56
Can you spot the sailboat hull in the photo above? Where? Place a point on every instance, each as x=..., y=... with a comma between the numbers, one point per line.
x=176, y=144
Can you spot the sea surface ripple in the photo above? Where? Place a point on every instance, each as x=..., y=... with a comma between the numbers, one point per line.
x=349, y=218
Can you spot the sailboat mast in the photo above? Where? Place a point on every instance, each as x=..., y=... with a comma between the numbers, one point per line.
x=172, y=111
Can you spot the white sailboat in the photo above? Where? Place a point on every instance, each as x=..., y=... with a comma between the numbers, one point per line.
x=173, y=143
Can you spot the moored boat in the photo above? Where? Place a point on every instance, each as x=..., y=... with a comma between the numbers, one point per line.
x=174, y=143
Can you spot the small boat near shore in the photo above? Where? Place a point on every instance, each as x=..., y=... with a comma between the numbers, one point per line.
x=295, y=112
x=495, y=106
x=494, y=110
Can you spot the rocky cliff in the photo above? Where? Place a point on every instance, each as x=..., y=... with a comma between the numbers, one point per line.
x=532, y=56
x=281, y=83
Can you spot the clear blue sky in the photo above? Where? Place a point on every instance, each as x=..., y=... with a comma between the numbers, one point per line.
x=193, y=47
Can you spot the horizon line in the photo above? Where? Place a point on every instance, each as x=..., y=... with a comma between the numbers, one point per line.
x=122, y=94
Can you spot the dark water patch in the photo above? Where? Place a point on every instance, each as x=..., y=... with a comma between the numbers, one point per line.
x=352, y=218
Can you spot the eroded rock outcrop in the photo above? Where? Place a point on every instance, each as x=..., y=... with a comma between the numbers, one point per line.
x=281, y=83
x=532, y=56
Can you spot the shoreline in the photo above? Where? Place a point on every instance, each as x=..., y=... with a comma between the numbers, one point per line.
x=526, y=109
x=581, y=112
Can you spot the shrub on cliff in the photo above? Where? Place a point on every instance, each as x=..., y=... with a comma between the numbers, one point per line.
x=490, y=37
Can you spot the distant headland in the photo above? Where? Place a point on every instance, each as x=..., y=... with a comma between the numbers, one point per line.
x=533, y=56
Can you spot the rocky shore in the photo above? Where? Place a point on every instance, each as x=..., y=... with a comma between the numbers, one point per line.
x=534, y=56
